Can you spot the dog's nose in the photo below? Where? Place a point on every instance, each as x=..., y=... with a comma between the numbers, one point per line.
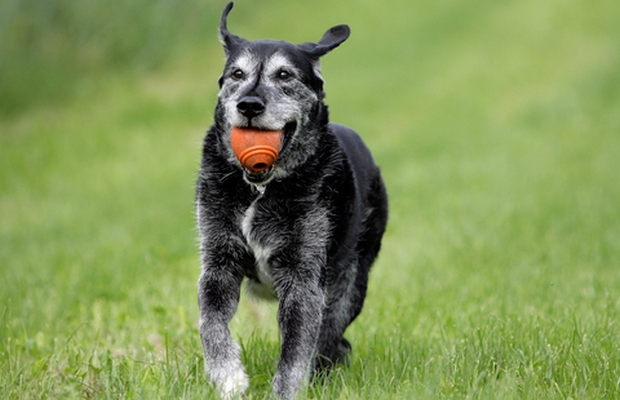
x=251, y=106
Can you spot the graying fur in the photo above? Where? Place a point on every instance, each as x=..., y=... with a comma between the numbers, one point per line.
x=305, y=232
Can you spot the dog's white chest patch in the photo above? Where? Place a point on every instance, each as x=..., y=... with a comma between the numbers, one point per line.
x=262, y=253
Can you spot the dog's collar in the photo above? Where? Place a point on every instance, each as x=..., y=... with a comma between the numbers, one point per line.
x=253, y=187
x=227, y=177
x=259, y=189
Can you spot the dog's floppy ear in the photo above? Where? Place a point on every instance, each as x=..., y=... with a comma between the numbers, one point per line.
x=228, y=40
x=330, y=40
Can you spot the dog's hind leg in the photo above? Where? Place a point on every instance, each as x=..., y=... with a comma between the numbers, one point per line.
x=348, y=292
x=345, y=303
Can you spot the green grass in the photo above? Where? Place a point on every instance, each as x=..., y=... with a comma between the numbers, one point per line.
x=495, y=124
x=48, y=46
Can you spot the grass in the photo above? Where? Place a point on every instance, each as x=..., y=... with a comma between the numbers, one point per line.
x=495, y=124
x=47, y=45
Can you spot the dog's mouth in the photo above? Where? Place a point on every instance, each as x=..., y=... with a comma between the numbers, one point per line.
x=287, y=134
x=258, y=150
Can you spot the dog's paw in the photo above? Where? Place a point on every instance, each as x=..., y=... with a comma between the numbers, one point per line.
x=234, y=385
x=344, y=349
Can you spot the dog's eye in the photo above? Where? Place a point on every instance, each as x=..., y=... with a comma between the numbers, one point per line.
x=284, y=75
x=238, y=74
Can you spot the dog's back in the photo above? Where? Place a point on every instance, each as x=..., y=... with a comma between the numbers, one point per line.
x=370, y=202
x=358, y=155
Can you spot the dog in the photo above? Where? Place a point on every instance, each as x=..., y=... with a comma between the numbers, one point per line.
x=303, y=224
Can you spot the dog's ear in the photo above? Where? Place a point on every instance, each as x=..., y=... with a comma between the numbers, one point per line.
x=330, y=40
x=228, y=40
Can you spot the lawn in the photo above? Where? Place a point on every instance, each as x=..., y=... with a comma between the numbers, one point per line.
x=496, y=125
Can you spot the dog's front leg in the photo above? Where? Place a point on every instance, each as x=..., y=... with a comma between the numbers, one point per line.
x=299, y=317
x=218, y=297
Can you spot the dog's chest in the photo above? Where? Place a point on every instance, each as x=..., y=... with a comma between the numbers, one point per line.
x=261, y=248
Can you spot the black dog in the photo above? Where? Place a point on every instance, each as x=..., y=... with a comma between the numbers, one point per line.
x=303, y=224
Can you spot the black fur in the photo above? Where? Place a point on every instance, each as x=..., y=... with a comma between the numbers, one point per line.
x=305, y=232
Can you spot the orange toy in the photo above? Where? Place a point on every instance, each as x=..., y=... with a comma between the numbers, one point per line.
x=256, y=149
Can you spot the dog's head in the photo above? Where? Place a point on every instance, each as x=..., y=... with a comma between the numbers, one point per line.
x=273, y=86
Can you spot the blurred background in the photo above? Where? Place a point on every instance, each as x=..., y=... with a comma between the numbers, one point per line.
x=50, y=48
x=496, y=125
